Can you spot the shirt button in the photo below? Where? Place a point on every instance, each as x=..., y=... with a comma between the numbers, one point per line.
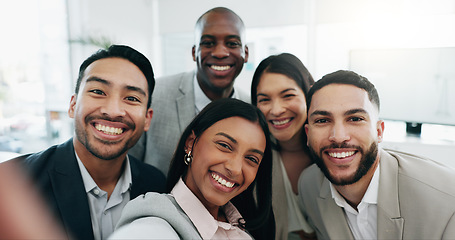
x=96, y=191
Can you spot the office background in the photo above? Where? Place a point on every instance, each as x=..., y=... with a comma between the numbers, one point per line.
x=405, y=47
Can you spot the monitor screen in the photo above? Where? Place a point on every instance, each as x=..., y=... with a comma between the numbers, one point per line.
x=415, y=85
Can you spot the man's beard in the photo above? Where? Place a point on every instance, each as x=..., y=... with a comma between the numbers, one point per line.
x=83, y=137
x=367, y=161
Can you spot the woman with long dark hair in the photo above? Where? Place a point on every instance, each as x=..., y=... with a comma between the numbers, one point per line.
x=219, y=181
x=280, y=84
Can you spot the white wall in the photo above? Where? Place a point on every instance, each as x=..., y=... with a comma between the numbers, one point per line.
x=121, y=22
x=334, y=27
x=254, y=13
x=144, y=24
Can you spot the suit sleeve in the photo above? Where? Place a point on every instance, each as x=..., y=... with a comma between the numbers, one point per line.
x=146, y=228
x=449, y=232
x=308, y=227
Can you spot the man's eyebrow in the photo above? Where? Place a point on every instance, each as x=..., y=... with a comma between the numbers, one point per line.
x=136, y=89
x=234, y=36
x=108, y=83
x=354, y=111
x=207, y=36
x=320, y=112
x=349, y=112
x=97, y=79
x=229, y=36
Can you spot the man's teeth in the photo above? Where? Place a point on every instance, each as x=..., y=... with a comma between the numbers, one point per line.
x=341, y=154
x=109, y=130
x=222, y=181
x=281, y=122
x=220, y=68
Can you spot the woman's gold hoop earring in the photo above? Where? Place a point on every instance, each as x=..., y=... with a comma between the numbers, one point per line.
x=188, y=158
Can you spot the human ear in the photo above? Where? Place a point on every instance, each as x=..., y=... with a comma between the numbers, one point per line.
x=306, y=132
x=380, y=129
x=72, y=107
x=193, y=52
x=246, y=54
x=190, y=141
x=148, y=118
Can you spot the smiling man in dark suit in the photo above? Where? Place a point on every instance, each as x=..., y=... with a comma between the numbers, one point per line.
x=88, y=179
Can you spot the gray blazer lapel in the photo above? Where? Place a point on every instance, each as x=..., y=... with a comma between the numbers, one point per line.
x=185, y=101
x=390, y=222
x=332, y=215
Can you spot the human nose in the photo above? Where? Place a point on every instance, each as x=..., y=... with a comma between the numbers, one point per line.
x=113, y=108
x=220, y=51
x=277, y=108
x=234, y=166
x=339, y=133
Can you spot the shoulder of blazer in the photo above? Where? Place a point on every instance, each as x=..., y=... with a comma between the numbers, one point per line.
x=169, y=88
x=145, y=178
x=176, y=81
x=186, y=85
x=36, y=163
x=162, y=206
x=53, y=171
x=422, y=170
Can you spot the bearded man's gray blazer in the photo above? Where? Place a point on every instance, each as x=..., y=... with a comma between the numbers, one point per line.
x=173, y=107
x=416, y=200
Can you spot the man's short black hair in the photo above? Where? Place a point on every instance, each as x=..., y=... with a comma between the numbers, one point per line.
x=345, y=77
x=125, y=52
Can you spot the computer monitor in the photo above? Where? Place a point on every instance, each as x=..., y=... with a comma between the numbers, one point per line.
x=415, y=85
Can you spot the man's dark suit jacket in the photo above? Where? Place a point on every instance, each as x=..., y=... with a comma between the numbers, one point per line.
x=56, y=173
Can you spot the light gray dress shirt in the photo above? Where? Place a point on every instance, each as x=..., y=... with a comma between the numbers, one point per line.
x=105, y=212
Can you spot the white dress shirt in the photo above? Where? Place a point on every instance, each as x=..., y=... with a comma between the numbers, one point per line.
x=201, y=100
x=364, y=222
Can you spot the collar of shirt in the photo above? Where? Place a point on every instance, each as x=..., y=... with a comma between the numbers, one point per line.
x=125, y=180
x=204, y=222
x=200, y=99
x=104, y=212
x=370, y=197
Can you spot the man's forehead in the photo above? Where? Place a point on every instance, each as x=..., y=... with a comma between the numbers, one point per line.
x=217, y=19
x=115, y=70
x=339, y=97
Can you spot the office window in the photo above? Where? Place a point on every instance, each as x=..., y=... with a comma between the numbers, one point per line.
x=35, y=78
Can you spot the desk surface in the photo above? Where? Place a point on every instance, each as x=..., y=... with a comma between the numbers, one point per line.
x=436, y=142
